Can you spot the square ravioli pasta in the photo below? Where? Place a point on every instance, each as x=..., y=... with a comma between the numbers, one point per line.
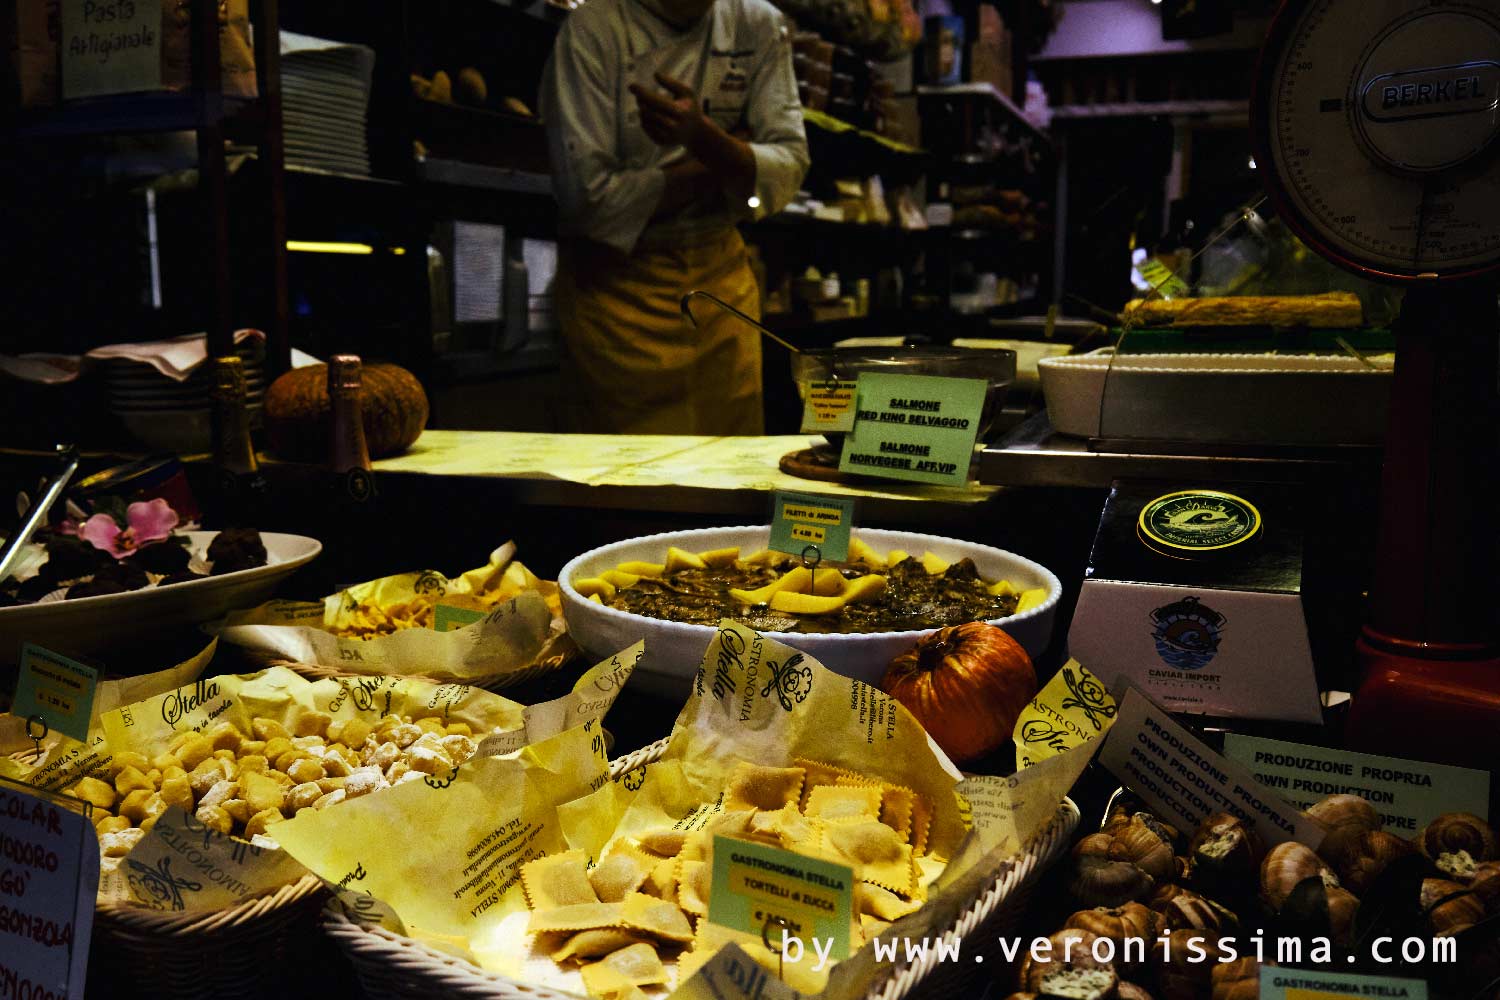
x=650, y=892
x=242, y=784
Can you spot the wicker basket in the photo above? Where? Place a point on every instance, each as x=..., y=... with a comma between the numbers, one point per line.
x=394, y=967
x=259, y=948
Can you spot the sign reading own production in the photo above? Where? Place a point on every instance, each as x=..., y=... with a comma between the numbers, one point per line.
x=1185, y=781
x=110, y=47
x=1409, y=794
x=917, y=427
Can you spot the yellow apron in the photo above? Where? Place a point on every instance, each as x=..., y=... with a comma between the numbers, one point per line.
x=633, y=364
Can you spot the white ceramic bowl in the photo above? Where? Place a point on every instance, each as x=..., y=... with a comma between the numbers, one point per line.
x=674, y=649
x=95, y=624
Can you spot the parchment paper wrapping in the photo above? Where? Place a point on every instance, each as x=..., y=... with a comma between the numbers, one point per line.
x=64, y=760
x=523, y=632
x=434, y=855
x=181, y=865
x=446, y=856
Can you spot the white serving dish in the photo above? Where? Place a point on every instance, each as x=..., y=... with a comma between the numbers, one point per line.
x=96, y=624
x=1219, y=398
x=674, y=650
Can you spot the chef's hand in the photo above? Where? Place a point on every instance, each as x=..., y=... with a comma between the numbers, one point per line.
x=674, y=118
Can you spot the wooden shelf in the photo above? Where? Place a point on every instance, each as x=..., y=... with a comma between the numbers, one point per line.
x=987, y=91
x=125, y=114
x=458, y=173
x=837, y=126
x=1136, y=109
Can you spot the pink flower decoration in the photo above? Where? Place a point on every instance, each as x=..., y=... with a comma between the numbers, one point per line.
x=148, y=522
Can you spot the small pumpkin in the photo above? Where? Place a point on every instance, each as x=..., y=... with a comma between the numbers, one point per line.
x=393, y=404
x=966, y=684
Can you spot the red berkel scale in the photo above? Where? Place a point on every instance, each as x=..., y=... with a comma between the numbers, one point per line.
x=1375, y=124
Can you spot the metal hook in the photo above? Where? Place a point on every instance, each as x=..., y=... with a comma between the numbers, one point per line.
x=36, y=738
x=783, y=923
x=811, y=565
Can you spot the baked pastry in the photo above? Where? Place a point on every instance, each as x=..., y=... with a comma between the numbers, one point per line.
x=1327, y=310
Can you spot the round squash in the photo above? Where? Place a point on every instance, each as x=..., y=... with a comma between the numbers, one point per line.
x=966, y=684
x=394, y=406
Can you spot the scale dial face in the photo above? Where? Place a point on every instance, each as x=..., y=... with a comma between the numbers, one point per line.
x=1378, y=120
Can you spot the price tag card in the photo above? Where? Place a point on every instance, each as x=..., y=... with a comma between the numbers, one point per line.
x=754, y=884
x=1163, y=279
x=1185, y=781
x=1298, y=984
x=802, y=519
x=446, y=618
x=56, y=688
x=1408, y=794
x=829, y=407
x=916, y=427
x=48, y=885
x=110, y=47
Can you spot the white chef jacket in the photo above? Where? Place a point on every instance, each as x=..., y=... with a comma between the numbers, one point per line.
x=607, y=172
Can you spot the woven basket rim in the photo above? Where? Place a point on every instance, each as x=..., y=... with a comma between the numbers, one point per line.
x=374, y=943
x=128, y=917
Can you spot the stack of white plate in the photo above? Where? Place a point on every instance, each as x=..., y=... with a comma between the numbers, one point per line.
x=177, y=416
x=325, y=92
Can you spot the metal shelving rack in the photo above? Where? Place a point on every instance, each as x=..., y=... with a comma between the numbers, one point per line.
x=204, y=110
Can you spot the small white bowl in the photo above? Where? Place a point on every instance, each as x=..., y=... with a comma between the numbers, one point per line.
x=674, y=649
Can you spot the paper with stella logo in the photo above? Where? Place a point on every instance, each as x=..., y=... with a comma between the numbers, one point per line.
x=1195, y=596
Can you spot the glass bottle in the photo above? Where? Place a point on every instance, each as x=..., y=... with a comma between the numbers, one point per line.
x=241, y=486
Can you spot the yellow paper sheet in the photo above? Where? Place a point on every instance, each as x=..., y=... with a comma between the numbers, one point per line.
x=445, y=855
x=728, y=463
x=278, y=694
x=523, y=631
x=1071, y=710
x=64, y=760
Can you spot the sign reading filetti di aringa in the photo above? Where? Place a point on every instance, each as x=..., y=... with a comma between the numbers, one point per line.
x=1195, y=596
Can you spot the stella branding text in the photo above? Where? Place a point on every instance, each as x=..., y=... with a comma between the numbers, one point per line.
x=184, y=700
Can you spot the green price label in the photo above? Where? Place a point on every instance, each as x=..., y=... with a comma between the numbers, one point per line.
x=1298, y=984
x=447, y=618
x=1163, y=280
x=916, y=427
x=58, y=690
x=802, y=519
x=760, y=889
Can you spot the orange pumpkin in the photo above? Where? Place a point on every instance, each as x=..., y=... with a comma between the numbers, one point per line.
x=392, y=403
x=966, y=684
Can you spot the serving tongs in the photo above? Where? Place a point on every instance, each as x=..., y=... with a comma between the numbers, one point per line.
x=36, y=516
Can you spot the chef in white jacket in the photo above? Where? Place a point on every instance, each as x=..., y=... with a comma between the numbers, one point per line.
x=667, y=121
